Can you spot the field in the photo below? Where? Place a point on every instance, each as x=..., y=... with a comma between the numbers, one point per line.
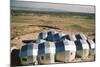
x=27, y=25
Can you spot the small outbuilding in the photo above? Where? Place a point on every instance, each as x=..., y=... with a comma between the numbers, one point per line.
x=42, y=35
x=72, y=37
x=92, y=47
x=38, y=41
x=80, y=36
x=28, y=54
x=46, y=53
x=68, y=37
x=82, y=49
x=65, y=51
x=50, y=36
x=56, y=37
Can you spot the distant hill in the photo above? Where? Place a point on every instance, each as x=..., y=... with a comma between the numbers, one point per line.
x=51, y=7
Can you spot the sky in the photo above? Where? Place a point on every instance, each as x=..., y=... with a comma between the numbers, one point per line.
x=42, y=6
x=84, y=2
